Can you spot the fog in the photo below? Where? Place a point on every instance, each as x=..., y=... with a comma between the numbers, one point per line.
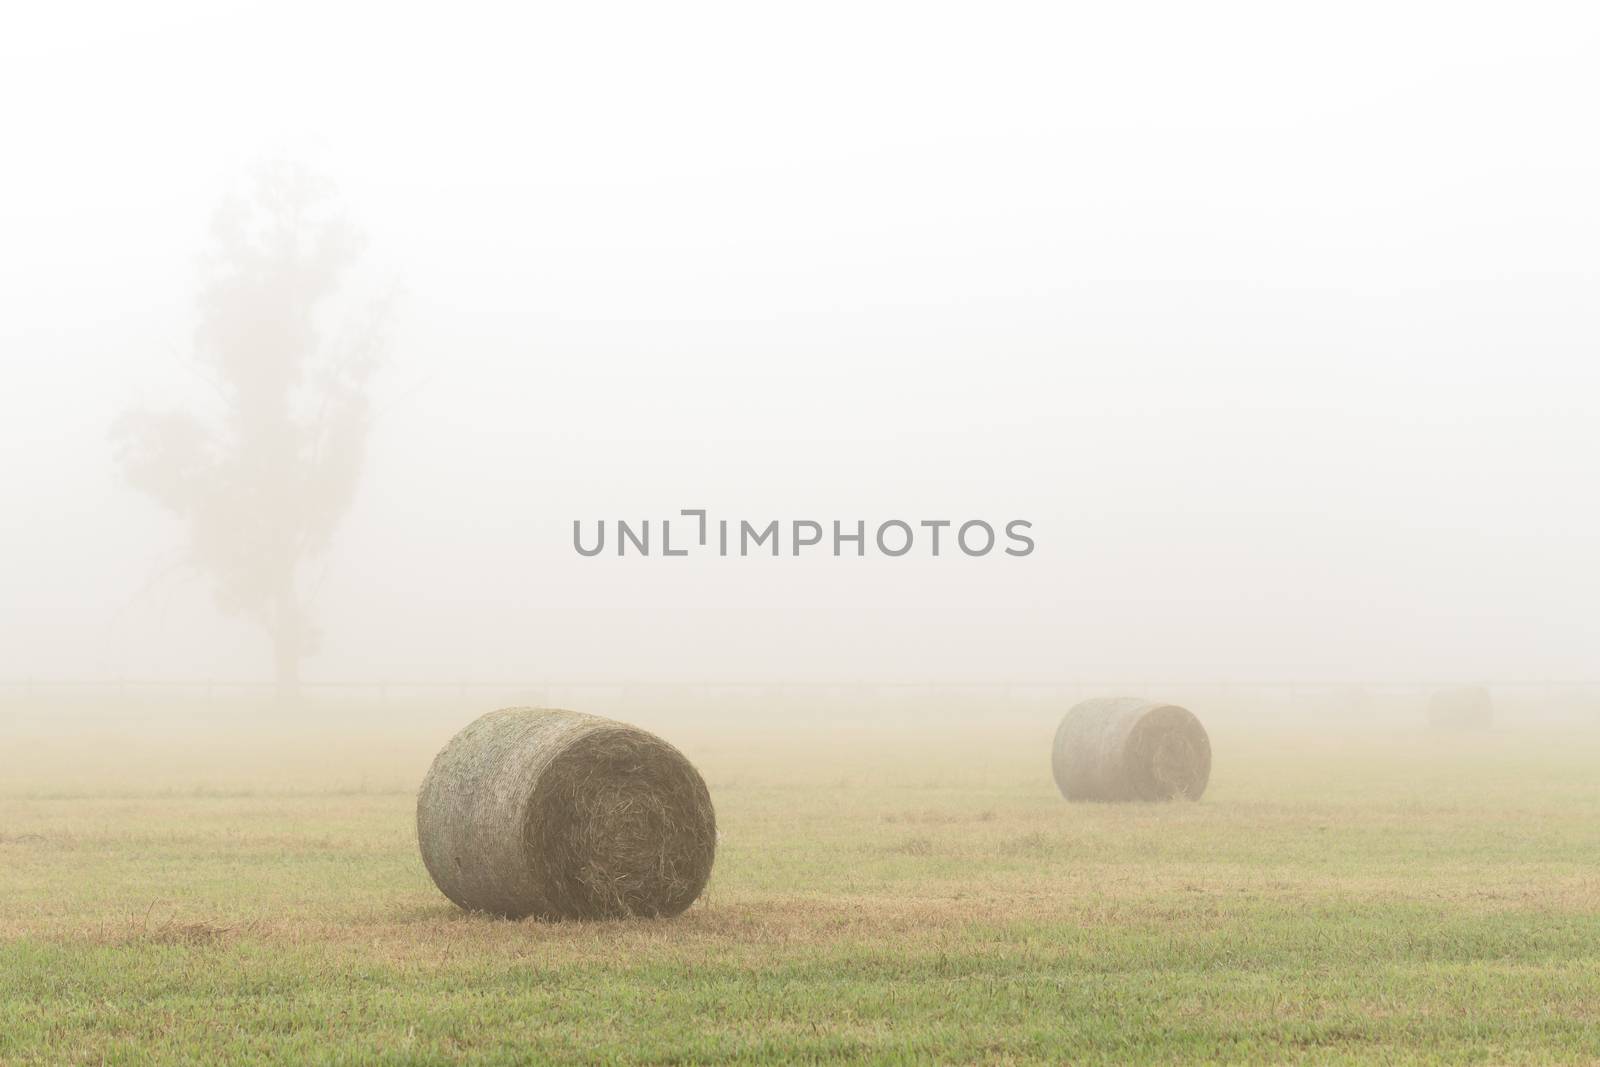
x=1276, y=323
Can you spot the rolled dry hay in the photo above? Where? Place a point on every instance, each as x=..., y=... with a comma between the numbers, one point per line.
x=1466, y=708
x=1125, y=748
x=561, y=815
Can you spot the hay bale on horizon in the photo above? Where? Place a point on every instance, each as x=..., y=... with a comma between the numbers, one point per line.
x=557, y=815
x=1126, y=748
x=1461, y=709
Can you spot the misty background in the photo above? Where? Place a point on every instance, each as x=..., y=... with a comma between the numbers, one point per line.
x=1278, y=323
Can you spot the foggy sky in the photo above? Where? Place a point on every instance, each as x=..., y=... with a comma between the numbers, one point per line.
x=1277, y=322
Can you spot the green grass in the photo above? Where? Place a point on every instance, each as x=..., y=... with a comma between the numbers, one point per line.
x=893, y=899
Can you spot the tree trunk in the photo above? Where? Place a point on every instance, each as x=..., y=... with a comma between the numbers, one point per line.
x=286, y=654
x=287, y=648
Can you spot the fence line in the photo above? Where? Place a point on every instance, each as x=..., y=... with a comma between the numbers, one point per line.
x=211, y=684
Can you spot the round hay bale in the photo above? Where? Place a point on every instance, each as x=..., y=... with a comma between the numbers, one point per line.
x=560, y=815
x=1125, y=748
x=1464, y=708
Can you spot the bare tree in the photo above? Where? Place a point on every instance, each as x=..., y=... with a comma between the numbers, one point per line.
x=263, y=481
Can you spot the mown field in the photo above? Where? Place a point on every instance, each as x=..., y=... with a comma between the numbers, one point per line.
x=234, y=893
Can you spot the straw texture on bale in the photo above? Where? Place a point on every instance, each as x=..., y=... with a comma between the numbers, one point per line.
x=1467, y=708
x=1125, y=748
x=560, y=815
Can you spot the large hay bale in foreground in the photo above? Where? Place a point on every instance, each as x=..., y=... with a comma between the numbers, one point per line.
x=1464, y=708
x=1125, y=748
x=561, y=815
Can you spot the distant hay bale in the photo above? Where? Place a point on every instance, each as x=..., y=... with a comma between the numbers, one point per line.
x=1461, y=709
x=1131, y=749
x=561, y=815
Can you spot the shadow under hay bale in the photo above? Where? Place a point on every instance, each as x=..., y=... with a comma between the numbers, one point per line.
x=560, y=815
x=1125, y=748
x=1466, y=708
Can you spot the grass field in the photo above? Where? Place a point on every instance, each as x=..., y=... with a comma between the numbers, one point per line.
x=220, y=894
